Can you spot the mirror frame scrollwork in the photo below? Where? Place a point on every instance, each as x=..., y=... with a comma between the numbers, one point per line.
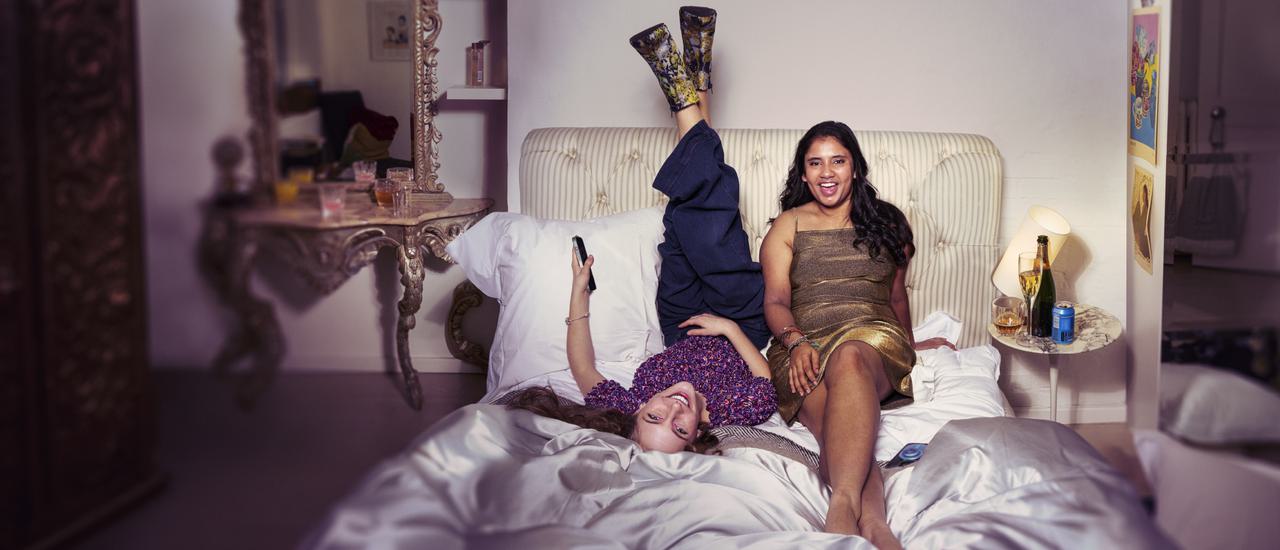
x=256, y=19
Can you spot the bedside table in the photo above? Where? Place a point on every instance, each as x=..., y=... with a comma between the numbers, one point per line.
x=1095, y=329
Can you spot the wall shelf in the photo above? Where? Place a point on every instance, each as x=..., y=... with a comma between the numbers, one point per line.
x=475, y=93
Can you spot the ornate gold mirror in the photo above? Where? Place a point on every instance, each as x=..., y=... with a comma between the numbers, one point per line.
x=303, y=56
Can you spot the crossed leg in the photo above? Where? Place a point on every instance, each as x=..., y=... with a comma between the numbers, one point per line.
x=843, y=412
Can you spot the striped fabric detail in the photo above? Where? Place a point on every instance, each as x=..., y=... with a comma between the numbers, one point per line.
x=947, y=184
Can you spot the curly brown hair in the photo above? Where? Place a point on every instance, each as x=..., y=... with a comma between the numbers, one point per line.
x=543, y=401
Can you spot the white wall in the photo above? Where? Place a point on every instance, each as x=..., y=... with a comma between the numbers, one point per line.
x=1146, y=290
x=192, y=94
x=1044, y=80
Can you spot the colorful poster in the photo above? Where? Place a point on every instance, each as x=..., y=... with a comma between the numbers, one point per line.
x=1144, y=83
x=1140, y=216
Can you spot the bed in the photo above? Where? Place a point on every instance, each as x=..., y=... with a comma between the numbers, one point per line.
x=489, y=477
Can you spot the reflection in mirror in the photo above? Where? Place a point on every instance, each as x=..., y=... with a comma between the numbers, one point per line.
x=330, y=82
x=1219, y=380
x=345, y=85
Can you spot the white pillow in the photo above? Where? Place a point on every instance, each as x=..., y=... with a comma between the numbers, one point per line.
x=523, y=262
x=1206, y=405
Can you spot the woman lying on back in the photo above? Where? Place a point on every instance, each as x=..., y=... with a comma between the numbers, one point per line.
x=710, y=293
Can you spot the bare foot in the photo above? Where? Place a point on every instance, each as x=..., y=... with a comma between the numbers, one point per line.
x=879, y=534
x=842, y=518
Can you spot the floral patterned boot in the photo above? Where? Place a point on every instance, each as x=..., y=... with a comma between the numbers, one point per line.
x=698, y=25
x=659, y=50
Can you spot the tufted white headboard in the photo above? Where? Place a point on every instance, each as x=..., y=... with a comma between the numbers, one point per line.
x=947, y=184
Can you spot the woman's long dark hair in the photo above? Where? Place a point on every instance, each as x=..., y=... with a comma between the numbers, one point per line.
x=544, y=401
x=882, y=227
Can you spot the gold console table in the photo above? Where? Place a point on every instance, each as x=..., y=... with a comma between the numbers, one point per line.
x=325, y=252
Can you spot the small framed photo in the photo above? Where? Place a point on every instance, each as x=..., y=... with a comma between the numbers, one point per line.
x=390, y=30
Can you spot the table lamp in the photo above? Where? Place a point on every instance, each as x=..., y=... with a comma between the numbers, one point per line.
x=1040, y=220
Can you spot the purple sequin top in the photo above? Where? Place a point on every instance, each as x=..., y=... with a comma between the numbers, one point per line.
x=734, y=396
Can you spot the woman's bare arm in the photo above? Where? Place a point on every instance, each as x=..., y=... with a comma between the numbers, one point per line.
x=714, y=325
x=775, y=260
x=582, y=353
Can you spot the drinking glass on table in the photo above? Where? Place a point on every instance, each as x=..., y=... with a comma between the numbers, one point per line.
x=1029, y=281
x=365, y=171
x=286, y=191
x=384, y=190
x=332, y=199
x=402, y=175
x=1007, y=314
x=400, y=199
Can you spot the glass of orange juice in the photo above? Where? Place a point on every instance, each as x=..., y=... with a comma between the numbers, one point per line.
x=286, y=191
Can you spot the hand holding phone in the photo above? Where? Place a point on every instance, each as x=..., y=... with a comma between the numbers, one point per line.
x=582, y=259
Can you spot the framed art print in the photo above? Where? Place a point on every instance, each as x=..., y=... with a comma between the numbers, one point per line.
x=1144, y=82
x=390, y=28
x=1140, y=216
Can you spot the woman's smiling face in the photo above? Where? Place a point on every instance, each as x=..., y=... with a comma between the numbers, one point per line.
x=668, y=422
x=828, y=171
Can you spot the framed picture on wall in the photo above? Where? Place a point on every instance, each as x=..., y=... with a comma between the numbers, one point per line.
x=390, y=30
x=1144, y=82
x=1140, y=217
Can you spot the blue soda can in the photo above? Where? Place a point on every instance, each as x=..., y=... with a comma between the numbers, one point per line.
x=1064, y=323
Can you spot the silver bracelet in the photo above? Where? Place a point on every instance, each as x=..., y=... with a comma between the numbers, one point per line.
x=568, y=321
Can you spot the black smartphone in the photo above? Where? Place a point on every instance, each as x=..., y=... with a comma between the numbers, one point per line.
x=582, y=259
x=910, y=453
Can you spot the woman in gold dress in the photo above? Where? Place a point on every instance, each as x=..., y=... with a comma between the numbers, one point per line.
x=835, y=264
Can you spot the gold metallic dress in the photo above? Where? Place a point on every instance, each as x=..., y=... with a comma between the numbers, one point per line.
x=840, y=294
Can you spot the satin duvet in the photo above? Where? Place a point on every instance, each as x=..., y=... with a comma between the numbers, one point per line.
x=486, y=477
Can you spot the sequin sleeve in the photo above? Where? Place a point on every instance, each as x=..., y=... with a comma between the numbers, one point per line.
x=747, y=402
x=611, y=395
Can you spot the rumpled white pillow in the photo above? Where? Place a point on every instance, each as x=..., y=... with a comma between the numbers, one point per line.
x=1211, y=406
x=524, y=263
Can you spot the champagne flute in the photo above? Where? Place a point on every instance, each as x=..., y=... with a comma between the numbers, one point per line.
x=1029, y=280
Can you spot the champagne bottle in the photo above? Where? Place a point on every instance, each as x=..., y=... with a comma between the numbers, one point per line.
x=1041, y=311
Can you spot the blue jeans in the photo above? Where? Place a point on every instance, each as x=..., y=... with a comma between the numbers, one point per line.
x=706, y=260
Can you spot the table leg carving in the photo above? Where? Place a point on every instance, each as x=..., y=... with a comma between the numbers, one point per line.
x=465, y=297
x=226, y=258
x=411, y=275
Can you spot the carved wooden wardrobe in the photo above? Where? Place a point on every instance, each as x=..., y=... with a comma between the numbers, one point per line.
x=76, y=406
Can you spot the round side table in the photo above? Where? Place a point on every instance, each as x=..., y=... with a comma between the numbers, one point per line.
x=1095, y=329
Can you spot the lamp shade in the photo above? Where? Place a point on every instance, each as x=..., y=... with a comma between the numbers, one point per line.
x=1040, y=220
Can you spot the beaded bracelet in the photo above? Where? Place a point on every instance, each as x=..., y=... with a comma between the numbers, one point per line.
x=797, y=342
x=568, y=321
x=790, y=328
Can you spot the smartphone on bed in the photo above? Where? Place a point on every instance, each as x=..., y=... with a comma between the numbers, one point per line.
x=582, y=259
x=910, y=453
